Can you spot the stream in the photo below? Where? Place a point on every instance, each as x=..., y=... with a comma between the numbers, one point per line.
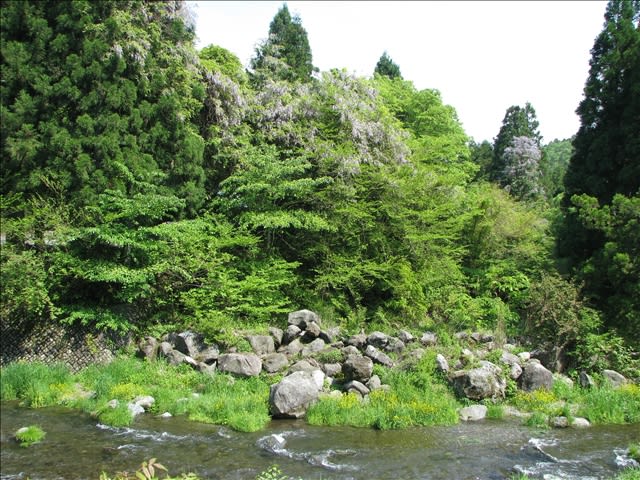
x=78, y=447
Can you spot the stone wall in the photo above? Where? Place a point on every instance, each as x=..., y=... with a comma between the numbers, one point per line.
x=49, y=342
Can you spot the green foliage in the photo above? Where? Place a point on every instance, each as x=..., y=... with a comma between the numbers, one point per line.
x=605, y=170
x=416, y=398
x=517, y=122
x=629, y=474
x=387, y=67
x=147, y=471
x=217, y=59
x=27, y=436
x=537, y=420
x=554, y=164
x=34, y=384
x=634, y=451
x=598, y=351
x=272, y=473
x=607, y=405
x=286, y=54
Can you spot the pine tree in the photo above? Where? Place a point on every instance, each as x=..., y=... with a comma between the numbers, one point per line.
x=517, y=122
x=387, y=67
x=286, y=53
x=605, y=167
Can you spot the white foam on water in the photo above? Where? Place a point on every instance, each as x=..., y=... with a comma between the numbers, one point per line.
x=141, y=434
x=623, y=459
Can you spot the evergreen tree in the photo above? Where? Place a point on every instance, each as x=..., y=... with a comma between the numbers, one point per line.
x=517, y=122
x=286, y=53
x=606, y=166
x=387, y=67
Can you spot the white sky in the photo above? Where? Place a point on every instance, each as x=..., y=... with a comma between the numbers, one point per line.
x=482, y=56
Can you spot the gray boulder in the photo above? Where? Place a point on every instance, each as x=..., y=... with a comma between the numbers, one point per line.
x=579, y=422
x=330, y=335
x=293, y=395
x=147, y=348
x=441, y=363
x=357, y=367
x=311, y=332
x=241, y=364
x=277, y=334
x=332, y=369
x=262, y=344
x=378, y=339
x=209, y=355
x=515, y=371
x=308, y=365
x=473, y=413
x=479, y=383
x=613, y=378
x=356, y=386
x=189, y=343
x=586, y=381
x=176, y=358
x=374, y=383
x=428, y=339
x=405, y=336
x=313, y=347
x=302, y=318
x=509, y=358
x=293, y=348
x=350, y=350
x=358, y=341
x=395, y=345
x=164, y=348
x=291, y=333
x=535, y=376
x=274, y=362
x=377, y=356
x=559, y=422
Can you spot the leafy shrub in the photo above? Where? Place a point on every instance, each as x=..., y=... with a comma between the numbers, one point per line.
x=27, y=436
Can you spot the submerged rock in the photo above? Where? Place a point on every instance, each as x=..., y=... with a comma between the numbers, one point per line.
x=473, y=413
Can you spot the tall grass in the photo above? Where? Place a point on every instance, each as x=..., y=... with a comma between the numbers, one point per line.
x=34, y=384
x=612, y=405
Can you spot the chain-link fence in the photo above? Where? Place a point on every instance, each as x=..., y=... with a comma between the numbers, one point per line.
x=48, y=342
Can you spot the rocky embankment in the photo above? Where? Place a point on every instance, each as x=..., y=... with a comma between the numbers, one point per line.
x=316, y=361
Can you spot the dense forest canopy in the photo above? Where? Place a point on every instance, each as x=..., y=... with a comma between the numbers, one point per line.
x=149, y=185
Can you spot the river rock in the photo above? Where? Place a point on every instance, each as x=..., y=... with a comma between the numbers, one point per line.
x=358, y=341
x=206, y=368
x=147, y=348
x=441, y=363
x=293, y=348
x=311, y=332
x=479, y=383
x=559, y=422
x=428, y=339
x=307, y=365
x=135, y=409
x=357, y=367
x=350, y=350
x=509, y=358
x=356, y=386
x=515, y=371
x=378, y=339
x=176, y=358
x=579, y=422
x=313, y=347
x=145, y=401
x=293, y=395
x=473, y=413
x=586, y=381
x=535, y=376
x=395, y=345
x=332, y=369
x=164, y=348
x=405, y=336
x=374, y=383
x=291, y=333
x=262, y=344
x=613, y=378
x=189, y=343
x=241, y=364
x=302, y=318
x=377, y=356
x=524, y=357
x=274, y=362
x=209, y=355
x=330, y=335
x=277, y=334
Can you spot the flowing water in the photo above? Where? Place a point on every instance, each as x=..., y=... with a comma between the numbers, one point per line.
x=77, y=447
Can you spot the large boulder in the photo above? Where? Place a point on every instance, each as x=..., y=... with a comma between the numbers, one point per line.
x=209, y=355
x=316, y=346
x=293, y=395
x=241, y=364
x=189, y=343
x=357, y=367
x=378, y=339
x=479, y=383
x=428, y=339
x=613, y=378
x=274, y=362
x=147, y=348
x=262, y=344
x=302, y=318
x=377, y=356
x=535, y=376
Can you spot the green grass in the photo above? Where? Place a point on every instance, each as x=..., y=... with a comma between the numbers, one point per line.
x=27, y=436
x=634, y=451
x=629, y=474
x=611, y=405
x=241, y=404
x=416, y=398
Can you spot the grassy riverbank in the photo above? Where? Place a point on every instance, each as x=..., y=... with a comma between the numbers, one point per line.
x=416, y=397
